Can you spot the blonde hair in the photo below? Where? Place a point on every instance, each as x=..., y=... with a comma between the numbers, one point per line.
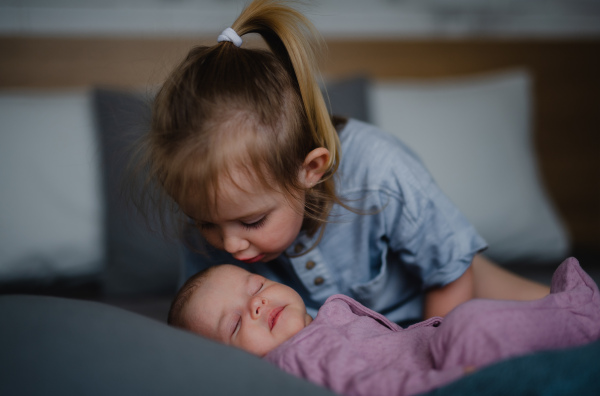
x=225, y=108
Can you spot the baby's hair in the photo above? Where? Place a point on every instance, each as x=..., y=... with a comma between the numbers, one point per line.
x=175, y=317
x=226, y=109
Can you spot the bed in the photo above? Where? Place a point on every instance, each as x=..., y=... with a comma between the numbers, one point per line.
x=83, y=312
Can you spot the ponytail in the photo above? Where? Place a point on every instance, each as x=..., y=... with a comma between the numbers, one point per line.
x=298, y=45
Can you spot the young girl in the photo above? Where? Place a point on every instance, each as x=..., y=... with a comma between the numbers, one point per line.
x=242, y=141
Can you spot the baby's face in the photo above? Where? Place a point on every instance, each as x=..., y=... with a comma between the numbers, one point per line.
x=245, y=310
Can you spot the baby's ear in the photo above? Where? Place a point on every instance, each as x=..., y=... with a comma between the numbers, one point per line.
x=314, y=166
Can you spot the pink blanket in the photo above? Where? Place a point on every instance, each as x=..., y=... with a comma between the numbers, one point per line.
x=355, y=351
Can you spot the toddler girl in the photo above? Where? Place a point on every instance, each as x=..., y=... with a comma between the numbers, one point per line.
x=242, y=142
x=353, y=350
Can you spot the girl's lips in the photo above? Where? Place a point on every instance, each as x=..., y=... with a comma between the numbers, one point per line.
x=253, y=259
x=274, y=316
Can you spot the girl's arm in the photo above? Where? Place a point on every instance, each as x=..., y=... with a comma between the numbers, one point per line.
x=441, y=300
x=483, y=279
x=492, y=281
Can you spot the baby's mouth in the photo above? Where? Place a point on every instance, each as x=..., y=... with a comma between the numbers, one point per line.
x=274, y=316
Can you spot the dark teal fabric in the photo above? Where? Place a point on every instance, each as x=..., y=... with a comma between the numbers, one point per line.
x=573, y=371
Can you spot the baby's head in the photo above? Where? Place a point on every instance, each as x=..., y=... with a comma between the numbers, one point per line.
x=235, y=307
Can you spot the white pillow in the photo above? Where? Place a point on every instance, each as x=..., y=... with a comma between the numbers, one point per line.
x=50, y=209
x=474, y=135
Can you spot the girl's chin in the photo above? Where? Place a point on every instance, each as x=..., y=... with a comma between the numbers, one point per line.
x=268, y=257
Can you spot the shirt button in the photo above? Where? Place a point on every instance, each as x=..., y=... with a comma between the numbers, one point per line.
x=298, y=248
x=319, y=280
x=310, y=265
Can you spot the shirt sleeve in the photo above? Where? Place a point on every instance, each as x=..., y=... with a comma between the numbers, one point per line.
x=425, y=229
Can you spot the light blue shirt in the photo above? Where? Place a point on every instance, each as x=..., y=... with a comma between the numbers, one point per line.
x=405, y=236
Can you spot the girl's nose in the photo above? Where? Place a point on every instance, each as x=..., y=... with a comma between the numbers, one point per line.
x=257, y=305
x=234, y=244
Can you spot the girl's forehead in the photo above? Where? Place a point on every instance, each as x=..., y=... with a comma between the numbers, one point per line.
x=240, y=179
x=239, y=195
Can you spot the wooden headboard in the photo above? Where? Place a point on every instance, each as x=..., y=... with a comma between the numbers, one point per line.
x=566, y=87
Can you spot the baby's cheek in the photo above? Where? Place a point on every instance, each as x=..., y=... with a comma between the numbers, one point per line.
x=251, y=343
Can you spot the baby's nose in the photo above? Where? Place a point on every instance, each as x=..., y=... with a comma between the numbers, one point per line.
x=257, y=305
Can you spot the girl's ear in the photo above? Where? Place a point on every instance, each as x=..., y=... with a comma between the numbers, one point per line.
x=314, y=166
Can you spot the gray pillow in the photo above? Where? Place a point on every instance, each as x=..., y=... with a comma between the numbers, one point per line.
x=58, y=346
x=138, y=260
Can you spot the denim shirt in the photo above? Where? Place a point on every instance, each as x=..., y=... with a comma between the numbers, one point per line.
x=402, y=236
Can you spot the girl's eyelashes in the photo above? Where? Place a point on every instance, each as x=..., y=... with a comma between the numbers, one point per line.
x=253, y=225
x=256, y=224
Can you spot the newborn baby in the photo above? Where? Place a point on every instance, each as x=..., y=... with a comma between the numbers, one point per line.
x=233, y=306
x=353, y=350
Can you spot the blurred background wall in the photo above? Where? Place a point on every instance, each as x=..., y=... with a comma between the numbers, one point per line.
x=334, y=18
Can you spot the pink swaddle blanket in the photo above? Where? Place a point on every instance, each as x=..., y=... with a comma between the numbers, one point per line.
x=353, y=350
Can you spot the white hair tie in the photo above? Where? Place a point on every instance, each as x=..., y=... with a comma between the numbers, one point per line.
x=230, y=35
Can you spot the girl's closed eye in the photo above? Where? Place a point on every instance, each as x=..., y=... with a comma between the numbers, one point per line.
x=255, y=224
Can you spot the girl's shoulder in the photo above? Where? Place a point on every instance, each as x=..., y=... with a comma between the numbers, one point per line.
x=359, y=139
x=372, y=156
